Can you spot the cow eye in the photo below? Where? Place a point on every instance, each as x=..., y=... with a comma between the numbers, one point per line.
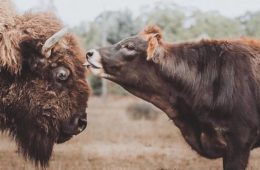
x=61, y=73
x=130, y=47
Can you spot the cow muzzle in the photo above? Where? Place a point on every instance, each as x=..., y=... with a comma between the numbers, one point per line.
x=95, y=65
x=93, y=60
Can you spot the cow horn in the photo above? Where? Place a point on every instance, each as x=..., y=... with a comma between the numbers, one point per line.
x=49, y=43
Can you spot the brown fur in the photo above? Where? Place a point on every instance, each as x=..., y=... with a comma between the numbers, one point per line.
x=151, y=29
x=34, y=105
x=153, y=35
x=209, y=88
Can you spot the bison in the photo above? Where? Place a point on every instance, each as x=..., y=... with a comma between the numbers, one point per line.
x=43, y=84
x=210, y=88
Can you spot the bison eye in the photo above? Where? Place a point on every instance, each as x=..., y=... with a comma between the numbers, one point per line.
x=61, y=73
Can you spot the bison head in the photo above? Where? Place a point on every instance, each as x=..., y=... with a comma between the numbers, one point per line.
x=43, y=85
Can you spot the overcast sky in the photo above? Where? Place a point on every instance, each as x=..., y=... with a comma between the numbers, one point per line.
x=72, y=12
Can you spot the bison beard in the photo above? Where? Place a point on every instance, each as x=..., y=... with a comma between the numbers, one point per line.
x=35, y=135
x=44, y=93
x=33, y=143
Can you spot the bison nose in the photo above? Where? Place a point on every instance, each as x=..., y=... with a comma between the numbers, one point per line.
x=80, y=123
x=74, y=125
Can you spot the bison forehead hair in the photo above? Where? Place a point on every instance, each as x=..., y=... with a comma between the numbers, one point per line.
x=42, y=96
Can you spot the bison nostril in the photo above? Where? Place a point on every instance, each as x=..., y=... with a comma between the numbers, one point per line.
x=90, y=53
x=74, y=125
x=82, y=124
x=62, y=75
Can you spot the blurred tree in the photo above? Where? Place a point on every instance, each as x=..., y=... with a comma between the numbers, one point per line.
x=214, y=25
x=108, y=28
x=123, y=26
x=169, y=17
x=96, y=85
x=251, y=24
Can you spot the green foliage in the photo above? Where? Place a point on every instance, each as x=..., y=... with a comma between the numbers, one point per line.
x=170, y=18
x=143, y=110
x=214, y=25
x=96, y=85
x=115, y=89
x=108, y=28
x=251, y=24
x=122, y=25
x=112, y=88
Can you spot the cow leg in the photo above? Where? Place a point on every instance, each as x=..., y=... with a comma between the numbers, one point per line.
x=190, y=134
x=238, y=148
x=236, y=159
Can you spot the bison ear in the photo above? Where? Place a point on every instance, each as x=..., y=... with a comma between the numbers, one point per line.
x=154, y=48
x=10, y=55
x=32, y=56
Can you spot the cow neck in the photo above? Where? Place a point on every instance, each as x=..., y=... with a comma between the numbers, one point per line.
x=160, y=95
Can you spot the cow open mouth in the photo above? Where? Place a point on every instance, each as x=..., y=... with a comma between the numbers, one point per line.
x=94, y=64
x=93, y=60
x=89, y=64
x=95, y=67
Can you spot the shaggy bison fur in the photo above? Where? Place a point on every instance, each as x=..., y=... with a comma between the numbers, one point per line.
x=43, y=93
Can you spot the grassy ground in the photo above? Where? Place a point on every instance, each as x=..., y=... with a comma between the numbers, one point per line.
x=113, y=141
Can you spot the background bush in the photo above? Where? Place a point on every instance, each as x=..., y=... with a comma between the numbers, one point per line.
x=142, y=110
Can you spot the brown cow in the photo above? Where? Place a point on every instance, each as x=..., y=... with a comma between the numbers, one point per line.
x=43, y=84
x=210, y=88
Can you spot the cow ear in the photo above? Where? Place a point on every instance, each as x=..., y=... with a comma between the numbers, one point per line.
x=154, y=49
x=10, y=56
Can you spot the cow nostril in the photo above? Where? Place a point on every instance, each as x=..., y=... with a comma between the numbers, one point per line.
x=90, y=53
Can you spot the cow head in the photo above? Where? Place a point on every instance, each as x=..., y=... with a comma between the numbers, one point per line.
x=130, y=62
x=133, y=64
x=43, y=85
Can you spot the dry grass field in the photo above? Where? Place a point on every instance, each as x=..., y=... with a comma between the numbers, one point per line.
x=113, y=141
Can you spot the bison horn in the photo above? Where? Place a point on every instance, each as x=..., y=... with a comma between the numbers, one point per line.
x=49, y=43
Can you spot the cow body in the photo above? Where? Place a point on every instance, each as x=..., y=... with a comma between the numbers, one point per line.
x=210, y=89
x=43, y=88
